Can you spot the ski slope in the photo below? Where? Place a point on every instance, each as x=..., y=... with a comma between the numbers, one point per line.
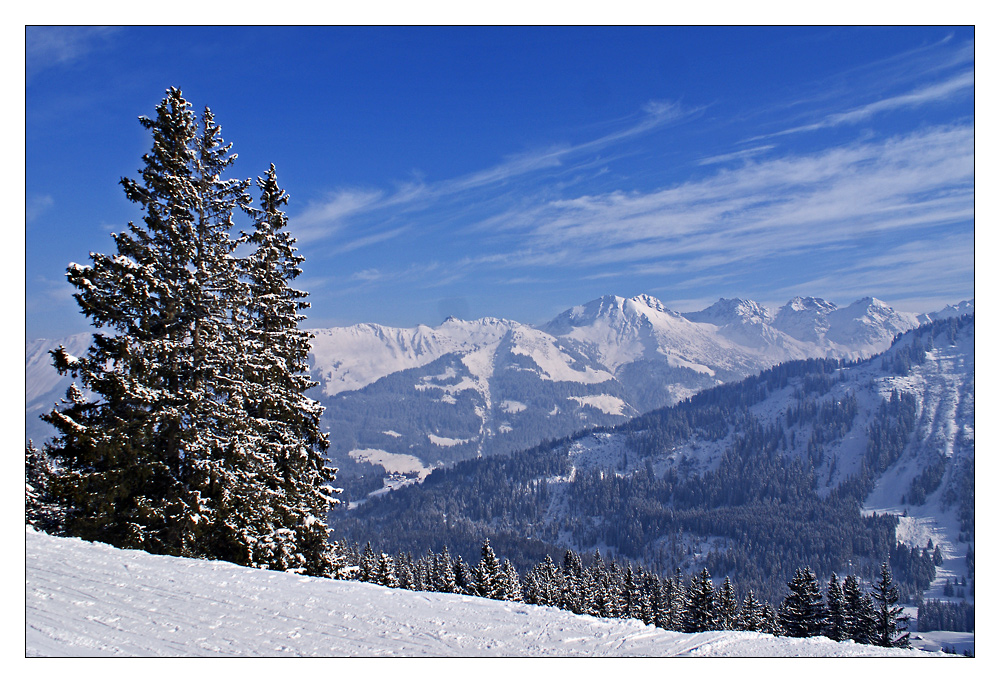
x=84, y=599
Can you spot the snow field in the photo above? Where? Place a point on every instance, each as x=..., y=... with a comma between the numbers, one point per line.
x=84, y=599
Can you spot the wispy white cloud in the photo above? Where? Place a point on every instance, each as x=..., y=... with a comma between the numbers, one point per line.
x=899, y=273
x=367, y=241
x=733, y=156
x=51, y=46
x=36, y=206
x=775, y=206
x=324, y=218
x=934, y=92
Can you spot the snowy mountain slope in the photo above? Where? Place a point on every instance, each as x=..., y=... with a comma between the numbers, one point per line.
x=812, y=447
x=942, y=441
x=85, y=599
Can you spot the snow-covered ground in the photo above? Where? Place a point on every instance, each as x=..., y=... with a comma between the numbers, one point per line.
x=91, y=599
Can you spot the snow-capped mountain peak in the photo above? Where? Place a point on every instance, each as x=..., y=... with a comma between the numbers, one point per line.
x=732, y=312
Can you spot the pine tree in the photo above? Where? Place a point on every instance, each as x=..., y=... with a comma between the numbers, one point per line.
x=137, y=457
x=836, y=611
x=751, y=616
x=728, y=606
x=368, y=565
x=801, y=613
x=677, y=602
x=444, y=573
x=275, y=376
x=701, y=613
x=385, y=573
x=890, y=622
x=175, y=448
x=41, y=510
x=575, y=597
x=489, y=583
x=543, y=584
x=859, y=612
x=510, y=583
x=465, y=582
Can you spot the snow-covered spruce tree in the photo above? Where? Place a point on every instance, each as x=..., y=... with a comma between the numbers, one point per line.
x=41, y=511
x=701, y=613
x=543, y=584
x=859, y=612
x=751, y=616
x=728, y=606
x=836, y=615
x=385, y=573
x=511, y=583
x=138, y=454
x=676, y=600
x=488, y=575
x=801, y=614
x=890, y=623
x=289, y=443
x=443, y=576
x=164, y=452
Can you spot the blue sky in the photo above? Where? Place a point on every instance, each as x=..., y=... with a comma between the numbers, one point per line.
x=515, y=172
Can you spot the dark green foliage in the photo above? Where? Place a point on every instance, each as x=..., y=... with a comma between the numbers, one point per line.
x=41, y=509
x=728, y=606
x=802, y=614
x=890, y=623
x=195, y=439
x=752, y=615
x=702, y=611
x=543, y=584
x=927, y=482
x=488, y=575
x=836, y=611
x=859, y=612
x=936, y=615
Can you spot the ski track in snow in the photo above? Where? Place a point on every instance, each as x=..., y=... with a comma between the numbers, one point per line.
x=91, y=599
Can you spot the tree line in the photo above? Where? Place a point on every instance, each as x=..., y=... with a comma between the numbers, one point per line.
x=625, y=591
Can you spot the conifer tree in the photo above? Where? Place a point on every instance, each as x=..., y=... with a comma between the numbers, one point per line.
x=385, y=573
x=701, y=613
x=728, y=606
x=489, y=583
x=574, y=589
x=890, y=622
x=836, y=615
x=859, y=612
x=141, y=459
x=465, y=582
x=275, y=374
x=510, y=583
x=368, y=565
x=444, y=573
x=801, y=613
x=41, y=510
x=175, y=447
x=678, y=602
x=751, y=616
x=543, y=584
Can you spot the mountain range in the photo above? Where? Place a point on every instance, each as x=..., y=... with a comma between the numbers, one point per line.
x=402, y=401
x=828, y=463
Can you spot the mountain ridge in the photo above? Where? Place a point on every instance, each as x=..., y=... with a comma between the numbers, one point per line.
x=396, y=397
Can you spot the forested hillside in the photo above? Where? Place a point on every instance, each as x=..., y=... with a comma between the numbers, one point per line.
x=750, y=480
